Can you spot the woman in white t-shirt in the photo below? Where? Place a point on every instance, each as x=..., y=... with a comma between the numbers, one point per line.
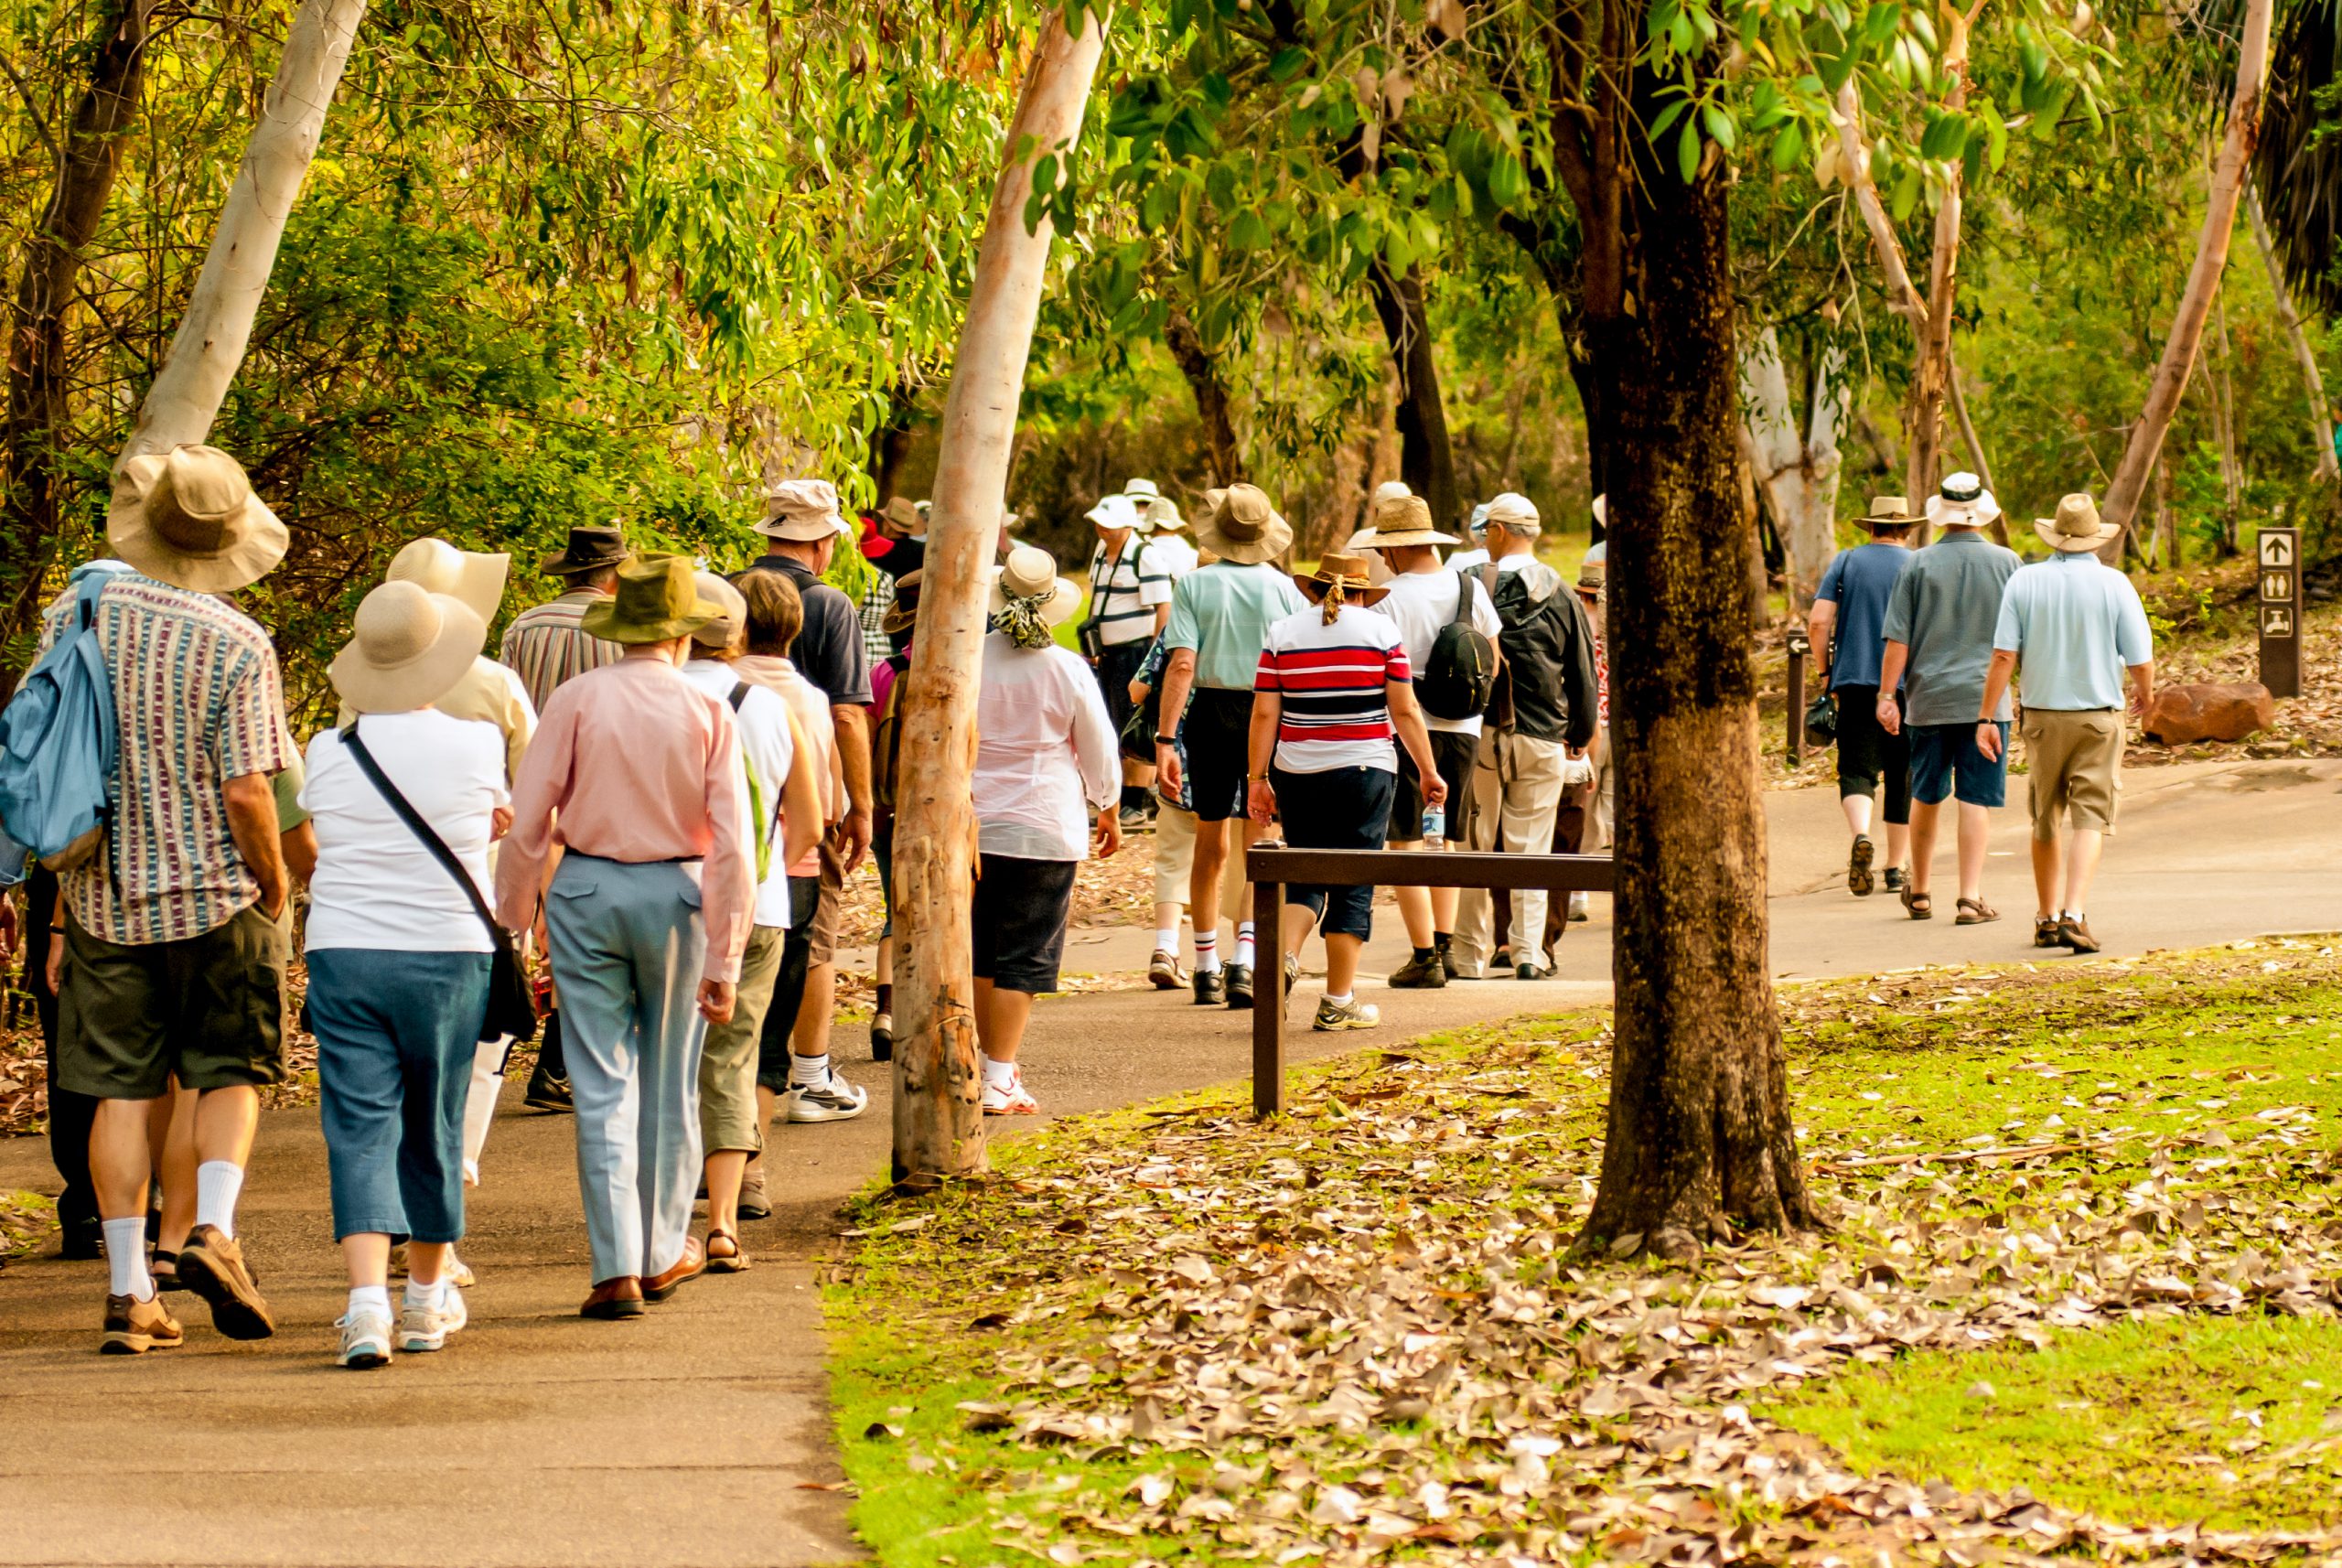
x=399, y=956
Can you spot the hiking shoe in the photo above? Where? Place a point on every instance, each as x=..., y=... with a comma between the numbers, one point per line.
x=754, y=1205
x=133, y=1327
x=1163, y=970
x=2045, y=932
x=426, y=1328
x=1239, y=988
x=1013, y=1100
x=1582, y=906
x=1531, y=971
x=1211, y=988
x=1422, y=972
x=1292, y=972
x=365, y=1341
x=2075, y=934
x=1134, y=820
x=1351, y=1014
x=1896, y=880
x=548, y=1093
x=212, y=1266
x=882, y=1036
x=833, y=1100
x=1859, y=880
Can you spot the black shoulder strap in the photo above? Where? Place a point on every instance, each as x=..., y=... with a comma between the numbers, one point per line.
x=417, y=826
x=739, y=694
x=1464, y=599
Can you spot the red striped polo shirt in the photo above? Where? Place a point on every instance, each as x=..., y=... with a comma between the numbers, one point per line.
x=1332, y=682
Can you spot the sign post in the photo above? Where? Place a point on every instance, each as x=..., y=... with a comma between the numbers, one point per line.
x=2280, y=607
x=1798, y=648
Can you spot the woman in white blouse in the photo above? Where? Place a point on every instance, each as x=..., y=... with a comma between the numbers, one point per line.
x=1046, y=763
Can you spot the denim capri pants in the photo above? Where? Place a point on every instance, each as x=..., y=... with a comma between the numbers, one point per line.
x=1342, y=808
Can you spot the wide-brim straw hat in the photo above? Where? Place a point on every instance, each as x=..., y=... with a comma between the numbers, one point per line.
x=590, y=550
x=1891, y=512
x=1962, y=502
x=732, y=623
x=188, y=518
x=1031, y=573
x=1399, y=522
x=408, y=648
x=803, y=510
x=658, y=600
x=1337, y=569
x=1245, y=528
x=903, y=614
x=438, y=567
x=2077, y=526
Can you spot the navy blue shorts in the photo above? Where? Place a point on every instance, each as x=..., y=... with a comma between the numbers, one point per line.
x=1945, y=761
x=1344, y=808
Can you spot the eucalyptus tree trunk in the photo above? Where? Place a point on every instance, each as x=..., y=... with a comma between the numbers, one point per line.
x=1427, y=459
x=210, y=345
x=1795, y=462
x=2321, y=429
x=88, y=155
x=1223, y=456
x=2129, y=486
x=939, y=1117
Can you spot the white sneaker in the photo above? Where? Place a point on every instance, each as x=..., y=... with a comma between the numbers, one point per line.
x=1351, y=1014
x=1011, y=1101
x=1581, y=907
x=460, y=1273
x=365, y=1341
x=423, y=1328
x=833, y=1100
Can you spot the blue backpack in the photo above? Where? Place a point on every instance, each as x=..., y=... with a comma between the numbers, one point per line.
x=58, y=740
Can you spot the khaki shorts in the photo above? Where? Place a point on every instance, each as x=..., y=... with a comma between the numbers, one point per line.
x=1175, y=859
x=210, y=1009
x=2075, y=760
x=826, y=913
x=727, y=1060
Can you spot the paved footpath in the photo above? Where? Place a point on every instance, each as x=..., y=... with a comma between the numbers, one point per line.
x=696, y=1437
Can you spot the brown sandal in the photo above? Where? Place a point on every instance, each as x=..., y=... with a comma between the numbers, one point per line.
x=1976, y=912
x=1919, y=905
x=724, y=1254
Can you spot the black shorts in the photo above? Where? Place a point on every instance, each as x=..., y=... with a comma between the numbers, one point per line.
x=1117, y=667
x=1019, y=919
x=1217, y=735
x=1453, y=755
x=1345, y=808
x=1868, y=755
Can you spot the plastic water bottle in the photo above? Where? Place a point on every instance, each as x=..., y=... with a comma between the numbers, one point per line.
x=1434, y=826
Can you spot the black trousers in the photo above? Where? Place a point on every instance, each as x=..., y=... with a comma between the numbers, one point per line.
x=70, y=1115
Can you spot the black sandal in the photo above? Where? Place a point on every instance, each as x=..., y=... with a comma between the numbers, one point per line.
x=1919, y=905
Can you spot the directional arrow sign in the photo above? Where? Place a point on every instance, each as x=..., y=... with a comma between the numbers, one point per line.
x=2276, y=547
x=2281, y=591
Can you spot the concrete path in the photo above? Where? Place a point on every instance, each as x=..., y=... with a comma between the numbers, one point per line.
x=687, y=1438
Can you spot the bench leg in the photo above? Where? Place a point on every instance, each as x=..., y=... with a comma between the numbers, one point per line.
x=1268, y=999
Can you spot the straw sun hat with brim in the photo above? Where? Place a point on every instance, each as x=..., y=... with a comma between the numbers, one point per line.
x=719, y=632
x=407, y=649
x=1341, y=578
x=803, y=510
x=2076, y=528
x=658, y=600
x=903, y=614
x=1029, y=574
x=1891, y=512
x=1962, y=502
x=1399, y=522
x=438, y=567
x=1244, y=528
x=188, y=518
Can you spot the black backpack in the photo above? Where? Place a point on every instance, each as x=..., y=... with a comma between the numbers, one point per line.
x=1459, y=674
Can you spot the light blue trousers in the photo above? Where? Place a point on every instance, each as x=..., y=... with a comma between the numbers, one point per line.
x=627, y=948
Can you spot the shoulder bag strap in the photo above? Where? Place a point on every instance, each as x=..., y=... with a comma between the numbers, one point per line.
x=1464, y=599
x=739, y=695
x=418, y=827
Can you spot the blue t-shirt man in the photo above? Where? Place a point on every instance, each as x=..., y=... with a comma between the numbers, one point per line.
x=1861, y=582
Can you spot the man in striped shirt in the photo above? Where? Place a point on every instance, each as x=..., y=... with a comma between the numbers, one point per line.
x=1130, y=600
x=549, y=645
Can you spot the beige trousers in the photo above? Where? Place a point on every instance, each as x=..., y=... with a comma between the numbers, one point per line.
x=1174, y=856
x=1516, y=787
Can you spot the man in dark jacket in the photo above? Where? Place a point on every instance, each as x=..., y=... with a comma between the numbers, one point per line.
x=1533, y=749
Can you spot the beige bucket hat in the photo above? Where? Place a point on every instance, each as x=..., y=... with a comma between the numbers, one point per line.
x=1891, y=512
x=408, y=648
x=438, y=567
x=733, y=622
x=188, y=518
x=1245, y=528
x=2076, y=528
x=803, y=510
x=1399, y=522
x=1031, y=573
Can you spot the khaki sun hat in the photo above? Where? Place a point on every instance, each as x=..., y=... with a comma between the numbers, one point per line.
x=438, y=567
x=904, y=513
x=1029, y=574
x=1891, y=512
x=1399, y=522
x=903, y=614
x=1141, y=492
x=1592, y=574
x=1245, y=528
x=188, y=518
x=1340, y=573
x=2076, y=528
x=1161, y=515
x=658, y=600
x=803, y=510
x=408, y=648
x=733, y=622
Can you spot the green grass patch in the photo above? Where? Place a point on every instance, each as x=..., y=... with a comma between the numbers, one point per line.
x=2234, y=1423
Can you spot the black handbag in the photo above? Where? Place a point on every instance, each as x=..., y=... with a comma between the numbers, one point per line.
x=1822, y=720
x=511, y=1007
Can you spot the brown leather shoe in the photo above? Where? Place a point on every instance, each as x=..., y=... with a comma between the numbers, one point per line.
x=134, y=1326
x=2075, y=934
x=690, y=1266
x=613, y=1299
x=212, y=1266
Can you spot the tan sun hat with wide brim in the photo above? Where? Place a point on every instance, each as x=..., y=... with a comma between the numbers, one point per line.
x=1245, y=528
x=1337, y=570
x=1029, y=573
x=1398, y=522
x=408, y=649
x=804, y=510
x=903, y=614
x=658, y=600
x=188, y=518
x=2076, y=528
x=438, y=567
x=1891, y=512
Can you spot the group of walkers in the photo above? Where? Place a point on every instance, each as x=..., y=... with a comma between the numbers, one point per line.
x=1922, y=649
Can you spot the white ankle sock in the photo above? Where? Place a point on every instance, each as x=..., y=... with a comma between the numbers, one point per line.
x=2073, y=915
x=1344, y=1000
x=808, y=1072
x=1244, y=944
x=999, y=1074
x=425, y=1298
x=371, y=1298
x=126, y=1259
x=1168, y=941
x=217, y=1185
x=1208, y=954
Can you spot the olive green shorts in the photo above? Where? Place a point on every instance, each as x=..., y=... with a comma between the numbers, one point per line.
x=209, y=1009
x=727, y=1060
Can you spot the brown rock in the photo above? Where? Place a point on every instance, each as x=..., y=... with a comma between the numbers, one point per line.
x=2209, y=710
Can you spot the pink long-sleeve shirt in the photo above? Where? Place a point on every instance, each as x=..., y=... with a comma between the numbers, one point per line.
x=632, y=762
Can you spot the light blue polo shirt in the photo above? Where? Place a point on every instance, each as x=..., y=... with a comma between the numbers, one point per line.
x=2076, y=625
x=1224, y=611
